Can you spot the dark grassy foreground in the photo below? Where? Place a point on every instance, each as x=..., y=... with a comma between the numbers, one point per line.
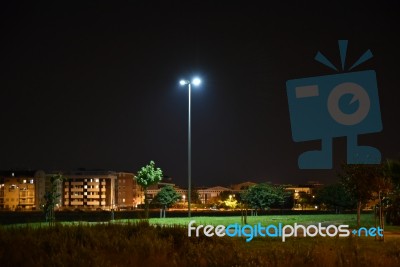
x=143, y=245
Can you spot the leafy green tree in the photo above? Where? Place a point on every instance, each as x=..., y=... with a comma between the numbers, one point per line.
x=50, y=198
x=393, y=171
x=304, y=199
x=167, y=197
x=227, y=200
x=359, y=180
x=195, y=197
x=230, y=202
x=148, y=175
x=263, y=196
x=335, y=196
x=224, y=195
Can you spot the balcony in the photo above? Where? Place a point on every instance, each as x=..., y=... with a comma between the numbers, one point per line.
x=95, y=203
x=93, y=189
x=76, y=189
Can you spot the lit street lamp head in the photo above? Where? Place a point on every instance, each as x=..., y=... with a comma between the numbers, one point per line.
x=184, y=82
x=195, y=81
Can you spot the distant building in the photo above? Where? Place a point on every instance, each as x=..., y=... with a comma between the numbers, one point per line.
x=206, y=194
x=90, y=190
x=237, y=188
x=154, y=189
x=309, y=188
x=17, y=189
x=129, y=193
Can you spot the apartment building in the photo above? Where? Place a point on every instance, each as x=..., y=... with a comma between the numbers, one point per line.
x=17, y=189
x=129, y=193
x=90, y=190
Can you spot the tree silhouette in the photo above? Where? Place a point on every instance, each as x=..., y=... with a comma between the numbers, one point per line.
x=148, y=175
x=167, y=197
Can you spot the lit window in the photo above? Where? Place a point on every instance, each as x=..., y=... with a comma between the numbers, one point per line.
x=123, y=200
x=24, y=181
x=85, y=186
x=31, y=181
x=96, y=180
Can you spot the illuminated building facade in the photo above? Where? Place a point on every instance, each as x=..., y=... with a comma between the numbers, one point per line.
x=129, y=193
x=17, y=189
x=90, y=190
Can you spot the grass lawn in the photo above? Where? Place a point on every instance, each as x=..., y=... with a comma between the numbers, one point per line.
x=367, y=220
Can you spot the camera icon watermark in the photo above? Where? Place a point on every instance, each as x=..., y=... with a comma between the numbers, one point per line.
x=343, y=104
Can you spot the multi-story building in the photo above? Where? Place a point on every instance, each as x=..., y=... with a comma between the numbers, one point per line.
x=17, y=189
x=207, y=194
x=154, y=189
x=90, y=190
x=129, y=193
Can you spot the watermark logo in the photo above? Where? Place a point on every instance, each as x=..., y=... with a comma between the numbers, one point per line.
x=282, y=231
x=343, y=104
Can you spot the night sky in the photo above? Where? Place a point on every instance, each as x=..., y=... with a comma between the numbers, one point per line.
x=95, y=84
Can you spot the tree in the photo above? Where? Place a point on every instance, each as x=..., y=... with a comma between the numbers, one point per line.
x=263, y=196
x=148, y=175
x=335, y=196
x=167, y=197
x=224, y=195
x=359, y=180
x=393, y=211
x=51, y=197
x=195, y=197
x=227, y=199
x=230, y=202
x=304, y=199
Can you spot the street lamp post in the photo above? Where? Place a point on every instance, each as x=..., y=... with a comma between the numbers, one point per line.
x=195, y=81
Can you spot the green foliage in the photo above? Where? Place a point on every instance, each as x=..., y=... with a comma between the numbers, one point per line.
x=392, y=170
x=167, y=196
x=357, y=180
x=263, y=196
x=224, y=195
x=361, y=181
x=51, y=196
x=195, y=197
x=305, y=199
x=335, y=197
x=230, y=203
x=149, y=175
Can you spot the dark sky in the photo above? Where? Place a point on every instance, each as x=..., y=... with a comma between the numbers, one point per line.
x=95, y=84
